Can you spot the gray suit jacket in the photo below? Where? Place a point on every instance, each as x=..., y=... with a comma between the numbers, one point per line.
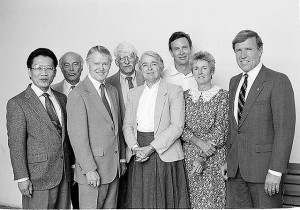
x=93, y=134
x=264, y=138
x=37, y=150
x=59, y=87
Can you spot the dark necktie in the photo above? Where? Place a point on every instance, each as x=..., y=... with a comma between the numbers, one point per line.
x=242, y=99
x=51, y=112
x=130, y=84
x=104, y=100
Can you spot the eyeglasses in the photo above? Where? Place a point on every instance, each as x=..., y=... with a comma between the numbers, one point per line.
x=47, y=68
x=130, y=58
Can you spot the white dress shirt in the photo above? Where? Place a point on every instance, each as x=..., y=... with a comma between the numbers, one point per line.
x=125, y=85
x=171, y=75
x=146, y=108
x=67, y=87
x=252, y=74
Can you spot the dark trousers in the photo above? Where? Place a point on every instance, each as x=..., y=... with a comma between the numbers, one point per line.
x=242, y=194
x=122, y=191
x=75, y=195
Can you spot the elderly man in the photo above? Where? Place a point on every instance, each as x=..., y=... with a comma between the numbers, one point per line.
x=39, y=145
x=180, y=48
x=262, y=127
x=95, y=130
x=125, y=79
x=71, y=65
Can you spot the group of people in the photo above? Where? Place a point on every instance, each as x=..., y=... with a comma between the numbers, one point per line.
x=151, y=137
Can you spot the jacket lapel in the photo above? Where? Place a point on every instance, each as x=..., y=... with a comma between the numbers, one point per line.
x=160, y=102
x=114, y=106
x=63, y=114
x=254, y=92
x=139, y=79
x=135, y=101
x=235, y=84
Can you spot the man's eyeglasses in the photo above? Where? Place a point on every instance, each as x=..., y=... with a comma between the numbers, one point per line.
x=47, y=68
x=129, y=58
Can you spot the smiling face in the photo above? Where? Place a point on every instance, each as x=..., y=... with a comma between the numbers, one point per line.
x=42, y=77
x=99, y=65
x=202, y=72
x=150, y=69
x=181, y=51
x=248, y=54
x=71, y=68
x=126, y=62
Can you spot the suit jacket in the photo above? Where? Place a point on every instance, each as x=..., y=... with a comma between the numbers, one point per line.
x=93, y=134
x=59, y=87
x=37, y=150
x=168, y=121
x=264, y=138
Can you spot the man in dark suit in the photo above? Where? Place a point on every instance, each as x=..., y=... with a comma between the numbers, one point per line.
x=126, y=78
x=262, y=126
x=95, y=130
x=71, y=65
x=39, y=145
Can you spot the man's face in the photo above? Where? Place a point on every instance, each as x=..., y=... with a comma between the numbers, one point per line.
x=181, y=51
x=126, y=62
x=99, y=65
x=150, y=69
x=247, y=54
x=42, y=72
x=71, y=68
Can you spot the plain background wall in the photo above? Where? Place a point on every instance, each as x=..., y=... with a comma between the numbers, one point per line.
x=77, y=25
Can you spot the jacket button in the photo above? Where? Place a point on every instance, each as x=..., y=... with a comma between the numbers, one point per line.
x=239, y=132
x=116, y=151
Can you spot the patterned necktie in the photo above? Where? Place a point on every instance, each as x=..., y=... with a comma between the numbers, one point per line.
x=104, y=100
x=51, y=112
x=130, y=84
x=242, y=99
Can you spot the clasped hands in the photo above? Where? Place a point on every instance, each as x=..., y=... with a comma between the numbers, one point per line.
x=142, y=154
x=93, y=178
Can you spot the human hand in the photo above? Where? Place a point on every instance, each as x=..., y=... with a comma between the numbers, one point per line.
x=25, y=188
x=272, y=184
x=198, y=165
x=123, y=168
x=208, y=147
x=223, y=170
x=93, y=178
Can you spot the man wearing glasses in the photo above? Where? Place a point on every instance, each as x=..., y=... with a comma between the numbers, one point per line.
x=39, y=145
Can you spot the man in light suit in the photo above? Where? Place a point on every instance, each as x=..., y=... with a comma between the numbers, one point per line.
x=125, y=79
x=262, y=126
x=95, y=131
x=39, y=145
x=71, y=65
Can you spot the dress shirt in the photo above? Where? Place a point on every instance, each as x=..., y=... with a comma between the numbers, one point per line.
x=146, y=108
x=56, y=105
x=97, y=84
x=252, y=74
x=67, y=87
x=124, y=84
x=171, y=75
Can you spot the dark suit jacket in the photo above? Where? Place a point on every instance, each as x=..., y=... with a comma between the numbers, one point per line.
x=37, y=150
x=115, y=81
x=93, y=134
x=264, y=138
x=59, y=87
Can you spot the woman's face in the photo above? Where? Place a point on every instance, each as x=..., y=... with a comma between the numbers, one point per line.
x=202, y=72
x=150, y=69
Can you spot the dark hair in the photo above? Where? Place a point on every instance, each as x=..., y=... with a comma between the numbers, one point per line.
x=177, y=35
x=244, y=35
x=41, y=52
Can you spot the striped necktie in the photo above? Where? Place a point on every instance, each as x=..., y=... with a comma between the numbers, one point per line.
x=242, y=99
x=130, y=84
x=104, y=100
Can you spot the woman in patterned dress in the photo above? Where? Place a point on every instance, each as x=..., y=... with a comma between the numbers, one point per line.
x=204, y=135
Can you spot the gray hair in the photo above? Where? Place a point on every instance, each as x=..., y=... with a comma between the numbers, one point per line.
x=70, y=53
x=154, y=55
x=100, y=49
x=125, y=47
x=205, y=56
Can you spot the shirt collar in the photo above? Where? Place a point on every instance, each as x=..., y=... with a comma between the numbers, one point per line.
x=39, y=92
x=68, y=85
x=254, y=72
x=95, y=82
x=123, y=76
x=154, y=86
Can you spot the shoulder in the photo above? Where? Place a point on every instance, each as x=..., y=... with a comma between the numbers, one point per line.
x=57, y=85
x=167, y=71
x=59, y=95
x=112, y=79
x=17, y=99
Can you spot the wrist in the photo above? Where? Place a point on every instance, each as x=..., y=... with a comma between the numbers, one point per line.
x=151, y=148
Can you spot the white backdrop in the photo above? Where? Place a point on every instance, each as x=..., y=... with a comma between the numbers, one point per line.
x=77, y=25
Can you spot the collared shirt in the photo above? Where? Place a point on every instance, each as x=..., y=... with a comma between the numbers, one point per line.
x=67, y=87
x=124, y=84
x=171, y=75
x=146, y=108
x=252, y=74
x=97, y=84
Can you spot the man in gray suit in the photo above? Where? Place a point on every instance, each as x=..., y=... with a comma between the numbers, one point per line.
x=125, y=79
x=262, y=126
x=94, y=127
x=71, y=65
x=39, y=145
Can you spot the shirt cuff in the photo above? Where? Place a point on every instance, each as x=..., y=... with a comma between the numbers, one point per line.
x=275, y=173
x=23, y=179
x=122, y=160
x=134, y=146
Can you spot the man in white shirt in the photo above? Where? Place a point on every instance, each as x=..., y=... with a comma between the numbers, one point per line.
x=180, y=48
x=71, y=65
x=37, y=137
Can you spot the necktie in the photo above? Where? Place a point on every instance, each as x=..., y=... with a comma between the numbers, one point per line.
x=104, y=100
x=51, y=112
x=242, y=99
x=130, y=84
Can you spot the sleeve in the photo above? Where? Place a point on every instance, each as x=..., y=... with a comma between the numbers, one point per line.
x=187, y=133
